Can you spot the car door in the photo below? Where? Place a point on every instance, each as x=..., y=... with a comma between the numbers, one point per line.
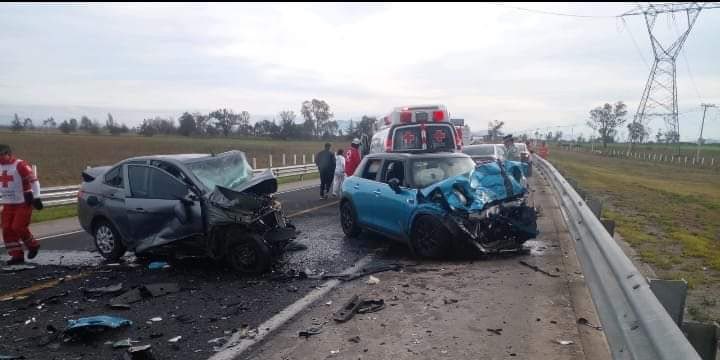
x=362, y=188
x=159, y=209
x=394, y=208
x=113, y=195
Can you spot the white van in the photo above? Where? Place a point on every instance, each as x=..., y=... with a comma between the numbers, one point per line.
x=419, y=128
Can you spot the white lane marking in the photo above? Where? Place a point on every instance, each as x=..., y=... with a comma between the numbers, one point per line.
x=298, y=189
x=269, y=326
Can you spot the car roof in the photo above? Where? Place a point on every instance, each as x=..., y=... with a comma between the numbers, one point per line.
x=424, y=155
x=175, y=157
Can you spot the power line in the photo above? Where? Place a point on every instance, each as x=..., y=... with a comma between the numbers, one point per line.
x=555, y=13
x=687, y=63
x=637, y=47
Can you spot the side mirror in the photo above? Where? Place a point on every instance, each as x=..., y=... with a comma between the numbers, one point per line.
x=394, y=184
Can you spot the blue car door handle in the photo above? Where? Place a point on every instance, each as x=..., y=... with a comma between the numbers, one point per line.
x=357, y=187
x=377, y=192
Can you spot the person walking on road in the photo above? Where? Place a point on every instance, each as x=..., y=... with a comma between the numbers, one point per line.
x=339, y=172
x=511, y=151
x=325, y=161
x=352, y=157
x=19, y=194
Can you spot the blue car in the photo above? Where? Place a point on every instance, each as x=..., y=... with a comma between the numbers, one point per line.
x=439, y=203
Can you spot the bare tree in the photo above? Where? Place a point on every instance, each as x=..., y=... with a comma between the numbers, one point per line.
x=317, y=115
x=495, y=129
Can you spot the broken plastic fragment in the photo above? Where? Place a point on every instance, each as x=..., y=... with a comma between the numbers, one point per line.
x=373, y=280
x=156, y=319
x=122, y=344
x=564, y=342
x=175, y=339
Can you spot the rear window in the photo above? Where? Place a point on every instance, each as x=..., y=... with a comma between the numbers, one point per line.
x=439, y=137
x=479, y=150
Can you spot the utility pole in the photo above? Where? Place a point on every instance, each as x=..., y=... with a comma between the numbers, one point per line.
x=659, y=98
x=702, y=125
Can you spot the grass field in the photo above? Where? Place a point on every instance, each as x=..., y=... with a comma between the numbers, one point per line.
x=689, y=150
x=671, y=217
x=60, y=158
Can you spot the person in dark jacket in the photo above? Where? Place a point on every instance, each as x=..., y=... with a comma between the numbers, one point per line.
x=325, y=161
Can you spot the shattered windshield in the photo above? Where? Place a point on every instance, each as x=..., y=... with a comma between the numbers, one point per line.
x=229, y=170
x=426, y=172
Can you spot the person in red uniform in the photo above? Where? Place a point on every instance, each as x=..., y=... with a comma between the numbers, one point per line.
x=543, y=151
x=19, y=193
x=352, y=157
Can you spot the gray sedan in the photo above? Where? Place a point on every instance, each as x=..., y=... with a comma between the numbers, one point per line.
x=203, y=204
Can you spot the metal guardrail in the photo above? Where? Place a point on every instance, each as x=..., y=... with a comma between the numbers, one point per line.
x=65, y=195
x=636, y=324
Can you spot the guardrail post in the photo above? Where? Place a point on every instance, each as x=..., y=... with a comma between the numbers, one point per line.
x=270, y=161
x=294, y=159
x=284, y=164
x=702, y=163
x=304, y=162
x=712, y=162
x=686, y=161
x=313, y=158
x=34, y=170
x=254, y=163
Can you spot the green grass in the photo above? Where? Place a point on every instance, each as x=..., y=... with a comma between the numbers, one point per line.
x=54, y=213
x=708, y=151
x=61, y=158
x=670, y=217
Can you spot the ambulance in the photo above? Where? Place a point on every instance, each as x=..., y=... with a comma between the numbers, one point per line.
x=418, y=128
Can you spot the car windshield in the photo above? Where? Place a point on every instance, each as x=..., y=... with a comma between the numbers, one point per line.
x=428, y=171
x=480, y=150
x=227, y=170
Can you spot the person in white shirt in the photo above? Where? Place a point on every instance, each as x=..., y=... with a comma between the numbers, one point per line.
x=339, y=172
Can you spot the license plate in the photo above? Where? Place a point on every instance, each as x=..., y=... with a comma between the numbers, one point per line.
x=421, y=116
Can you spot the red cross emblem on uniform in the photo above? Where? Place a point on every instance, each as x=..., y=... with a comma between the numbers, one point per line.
x=5, y=179
x=408, y=138
x=439, y=136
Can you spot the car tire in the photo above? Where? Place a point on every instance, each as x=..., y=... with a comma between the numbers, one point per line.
x=107, y=241
x=348, y=219
x=248, y=254
x=429, y=238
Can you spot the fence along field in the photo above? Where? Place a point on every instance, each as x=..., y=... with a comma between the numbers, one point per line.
x=61, y=158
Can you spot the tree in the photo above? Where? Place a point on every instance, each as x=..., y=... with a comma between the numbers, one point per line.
x=202, y=123
x=495, y=129
x=65, y=127
x=580, y=139
x=316, y=114
x=49, y=123
x=244, y=126
x=85, y=123
x=94, y=127
x=188, y=125
x=549, y=136
x=287, y=124
x=112, y=126
x=28, y=124
x=637, y=132
x=73, y=124
x=16, y=124
x=606, y=119
x=225, y=120
x=366, y=126
x=147, y=128
x=672, y=137
x=558, y=135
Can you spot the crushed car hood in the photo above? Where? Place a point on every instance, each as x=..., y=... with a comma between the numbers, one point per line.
x=488, y=184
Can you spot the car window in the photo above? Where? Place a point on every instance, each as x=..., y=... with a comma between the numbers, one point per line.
x=393, y=169
x=371, y=169
x=138, y=178
x=163, y=185
x=114, y=177
x=170, y=168
x=426, y=172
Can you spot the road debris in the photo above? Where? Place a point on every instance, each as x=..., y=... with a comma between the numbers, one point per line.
x=126, y=343
x=564, y=342
x=310, y=332
x=94, y=324
x=156, y=319
x=364, y=272
x=21, y=267
x=584, y=321
x=537, y=269
x=373, y=280
x=495, y=331
x=370, y=306
x=348, y=310
x=104, y=290
x=449, y=301
x=175, y=339
x=144, y=292
x=140, y=353
x=157, y=265
x=119, y=306
x=11, y=357
x=354, y=339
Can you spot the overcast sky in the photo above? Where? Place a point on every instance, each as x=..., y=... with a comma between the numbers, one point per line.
x=484, y=61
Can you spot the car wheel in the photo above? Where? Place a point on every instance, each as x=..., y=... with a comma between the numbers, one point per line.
x=107, y=241
x=249, y=254
x=348, y=219
x=429, y=238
